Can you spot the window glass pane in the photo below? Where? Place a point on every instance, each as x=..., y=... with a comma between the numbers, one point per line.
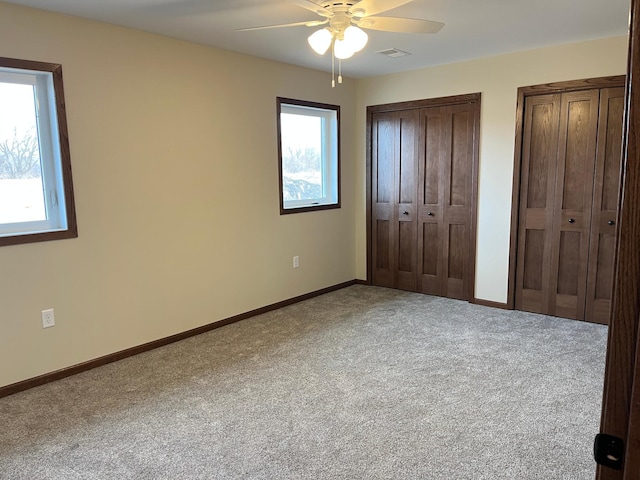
x=301, y=137
x=21, y=184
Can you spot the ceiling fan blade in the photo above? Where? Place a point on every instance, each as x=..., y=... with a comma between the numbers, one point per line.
x=401, y=25
x=365, y=8
x=311, y=23
x=312, y=7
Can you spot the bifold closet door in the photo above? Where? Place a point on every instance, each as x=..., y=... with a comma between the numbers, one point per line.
x=568, y=199
x=537, y=189
x=444, y=199
x=605, y=205
x=394, y=154
x=575, y=167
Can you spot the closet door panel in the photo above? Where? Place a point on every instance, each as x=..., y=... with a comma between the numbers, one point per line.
x=461, y=149
x=456, y=258
x=535, y=233
x=569, y=271
x=430, y=241
x=574, y=190
x=407, y=168
x=383, y=212
x=605, y=204
x=458, y=155
x=433, y=123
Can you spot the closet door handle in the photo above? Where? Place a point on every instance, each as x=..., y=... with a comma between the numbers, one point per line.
x=405, y=213
x=611, y=222
x=430, y=214
x=572, y=220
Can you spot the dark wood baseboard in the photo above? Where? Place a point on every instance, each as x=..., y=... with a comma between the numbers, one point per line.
x=361, y=282
x=129, y=352
x=489, y=303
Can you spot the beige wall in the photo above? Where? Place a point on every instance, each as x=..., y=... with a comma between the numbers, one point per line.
x=498, y=79
x=173, y=148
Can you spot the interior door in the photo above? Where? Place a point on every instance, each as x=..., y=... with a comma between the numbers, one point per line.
x=605, y=206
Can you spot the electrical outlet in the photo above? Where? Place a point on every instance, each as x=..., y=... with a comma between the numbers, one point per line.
x=296, y=261
x=48, y=319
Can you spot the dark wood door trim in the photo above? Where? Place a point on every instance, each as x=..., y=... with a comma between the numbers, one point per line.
x=425, y=103
x=523, y=92
x=474, y=204
x=416, y=104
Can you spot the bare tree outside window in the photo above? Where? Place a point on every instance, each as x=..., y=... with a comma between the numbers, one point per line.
x=20, y=156
x=301, y=173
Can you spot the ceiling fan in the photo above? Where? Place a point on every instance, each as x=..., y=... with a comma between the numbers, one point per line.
x=343, y=21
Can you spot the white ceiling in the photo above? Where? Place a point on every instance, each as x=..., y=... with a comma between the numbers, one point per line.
x=473, y=28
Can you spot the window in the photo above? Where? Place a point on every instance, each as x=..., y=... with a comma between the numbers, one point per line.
x=36, y=193
x=308, y=155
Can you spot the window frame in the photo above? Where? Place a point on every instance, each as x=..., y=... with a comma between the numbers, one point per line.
x=52, y=129
x=329, y=171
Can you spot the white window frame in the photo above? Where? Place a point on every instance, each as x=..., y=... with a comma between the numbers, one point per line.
x=60, y=222
x=330, y=154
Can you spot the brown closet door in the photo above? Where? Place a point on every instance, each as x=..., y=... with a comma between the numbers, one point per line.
x=558, y=161
x=394, y=156
x=573, y=199
x=383, y=144
x=456, y=181
x=605, y=202
x=434, y=128
x=444, y=197
x=407, y=174
x=535, y=232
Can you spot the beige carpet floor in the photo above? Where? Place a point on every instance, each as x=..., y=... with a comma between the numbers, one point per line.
x=362, y=383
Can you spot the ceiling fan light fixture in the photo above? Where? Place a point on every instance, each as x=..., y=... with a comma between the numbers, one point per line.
x=356, y=38
x=320, y=41
x=342, y=49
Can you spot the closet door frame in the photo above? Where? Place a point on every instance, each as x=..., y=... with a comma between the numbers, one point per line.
x=523, y=93
x=417, y=104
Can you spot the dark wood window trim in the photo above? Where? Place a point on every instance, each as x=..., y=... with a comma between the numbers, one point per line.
x=324, y=106
x=65, y=157
x=523, y=93
x=425, y=103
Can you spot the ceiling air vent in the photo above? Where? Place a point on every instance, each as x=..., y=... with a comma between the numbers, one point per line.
x=394, y=52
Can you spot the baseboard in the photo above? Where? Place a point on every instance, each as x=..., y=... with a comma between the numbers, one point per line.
x=129, y=352
x=361, y=282
x=489, y=303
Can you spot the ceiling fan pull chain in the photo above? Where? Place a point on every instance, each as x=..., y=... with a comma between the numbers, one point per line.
x=339, y=70
x=333, y=66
